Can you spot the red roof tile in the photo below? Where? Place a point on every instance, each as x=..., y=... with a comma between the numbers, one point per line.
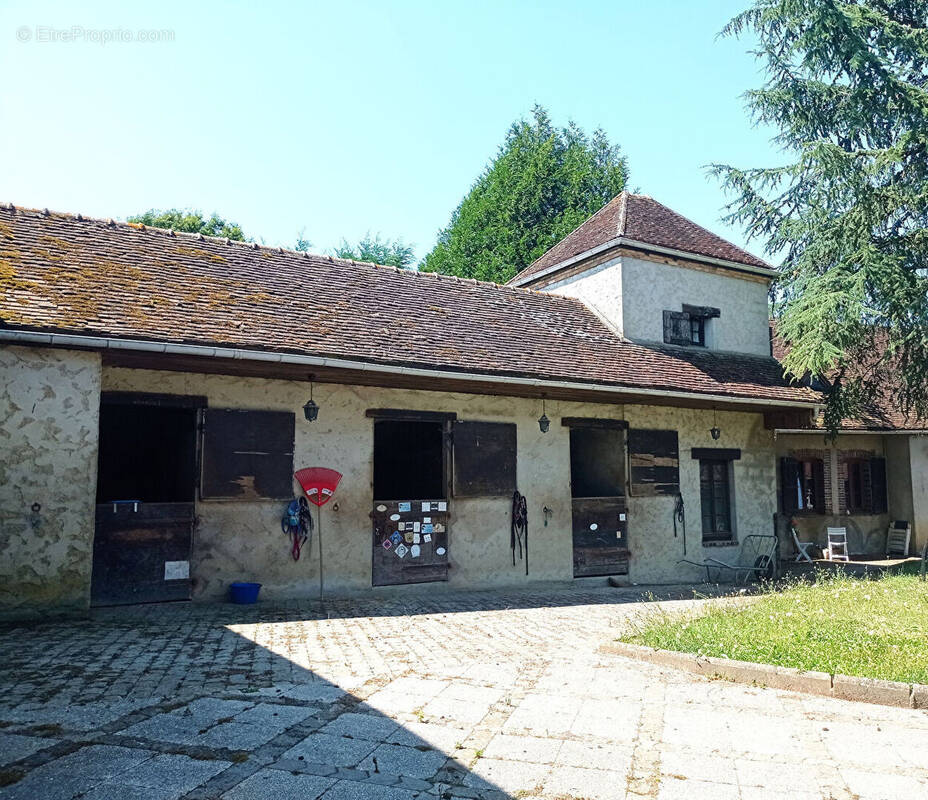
x=59, y=273
x=642, y=219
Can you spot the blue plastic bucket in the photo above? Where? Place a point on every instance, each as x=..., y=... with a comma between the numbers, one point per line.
x=244, y=593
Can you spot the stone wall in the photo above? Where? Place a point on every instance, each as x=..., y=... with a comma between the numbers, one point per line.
x=242, y=540
x=49, y=411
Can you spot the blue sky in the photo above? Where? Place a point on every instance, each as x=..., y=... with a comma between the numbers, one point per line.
x=346, y=117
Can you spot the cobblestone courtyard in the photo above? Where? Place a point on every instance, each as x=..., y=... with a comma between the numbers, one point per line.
x=480, y=695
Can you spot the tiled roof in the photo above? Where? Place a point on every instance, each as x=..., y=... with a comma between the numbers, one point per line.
x=61, y=273
x=881, y=411
x=642, y=219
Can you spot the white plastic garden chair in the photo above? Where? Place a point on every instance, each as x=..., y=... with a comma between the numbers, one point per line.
x=897, y=539
x=837, y=544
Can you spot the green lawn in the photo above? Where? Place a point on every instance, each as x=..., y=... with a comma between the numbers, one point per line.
x=870, y=628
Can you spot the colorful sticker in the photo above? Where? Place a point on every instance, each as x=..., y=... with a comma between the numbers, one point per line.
x=394, y=517
x=408, y=537
x=327, y=492
x=405, y=507
x=427, y=537
x=426, y=506
x=387, y=544
x=439, y=528
x=428, y=529
x=415, y=527
x=401, y=550
x=414, y=551
x=396, y=537
x=442, y=505
x=440, y=550
x=415, y=538
x=426, y=519
x=621, y=518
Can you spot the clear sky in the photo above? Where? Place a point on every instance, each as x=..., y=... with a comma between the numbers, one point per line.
x=343, y=117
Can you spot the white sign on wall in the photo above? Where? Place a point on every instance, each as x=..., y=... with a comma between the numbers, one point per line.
x=176, y=570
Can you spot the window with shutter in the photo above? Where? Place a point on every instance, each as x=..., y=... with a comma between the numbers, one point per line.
x=878, y=492
x=715, y=499
x=677, y=328
x=247, y=455
x=484, y=459
x=802, y=486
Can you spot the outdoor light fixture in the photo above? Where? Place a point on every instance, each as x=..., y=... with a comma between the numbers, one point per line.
x=714, y=431
x=311, y=410
x=543, y=422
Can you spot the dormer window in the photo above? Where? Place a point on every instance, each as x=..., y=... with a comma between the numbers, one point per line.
x=689, y=326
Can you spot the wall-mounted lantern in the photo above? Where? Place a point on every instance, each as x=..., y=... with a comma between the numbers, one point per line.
x=543, y=422
x=311, y=409
x=715, y=432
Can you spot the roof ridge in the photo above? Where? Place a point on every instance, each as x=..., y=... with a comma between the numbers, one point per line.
x=224, y=240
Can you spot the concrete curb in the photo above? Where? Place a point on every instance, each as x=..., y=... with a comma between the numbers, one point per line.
x=845, y=687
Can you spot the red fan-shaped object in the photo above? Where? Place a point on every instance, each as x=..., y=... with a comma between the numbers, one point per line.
x=319, y=483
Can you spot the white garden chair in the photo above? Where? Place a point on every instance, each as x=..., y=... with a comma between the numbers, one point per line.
x=897, y=539
x=802, y=548
x=837, y=544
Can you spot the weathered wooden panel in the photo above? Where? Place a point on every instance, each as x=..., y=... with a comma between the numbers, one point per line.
x=407, y=540
x=594, y=422
x=484, y=459
x=677, y=328
x=716, y=453
x=654, y=459
x=131, y=545
x=247, y=455
x=600, y=536
x=154, y=399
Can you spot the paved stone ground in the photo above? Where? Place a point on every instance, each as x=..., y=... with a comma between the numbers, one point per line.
x=479, y=696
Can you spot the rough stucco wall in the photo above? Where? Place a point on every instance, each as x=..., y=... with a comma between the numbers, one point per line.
x=600, y=288
x=242, y=541
x=918, y=459
x=655, y=550
x=866, y=533
x=49, y=410
x=648, y=288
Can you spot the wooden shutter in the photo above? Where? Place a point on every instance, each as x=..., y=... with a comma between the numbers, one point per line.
x=247, y=455
x=878, y=504
x=677, y=328
x=484, y=459
x=654, y=459
x=789, y=481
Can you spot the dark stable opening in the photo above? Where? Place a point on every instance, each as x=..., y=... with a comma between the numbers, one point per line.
x=597, y=462
x=147, y=453
x=408, y=460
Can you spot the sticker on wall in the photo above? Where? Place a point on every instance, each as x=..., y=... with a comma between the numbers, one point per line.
x=594, y=526
x=394, y=517
x=426, y=520
x=427, y=537
x=426, y=506
x=401, y=550
x=408, y=537
x=621, y=518
x=415, y=538
x=428, y=528
x=176, y=570
x=387, y=544
x=440, y=550
x=381, y=508
x=414, y=551
x=618, y=534
x=415, y=527
x=442, y=505
x=439, y=528
x=396, y=537
x=404, y=507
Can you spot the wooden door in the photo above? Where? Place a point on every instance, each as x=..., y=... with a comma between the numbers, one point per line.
x=141, y=553
x=598, y=509
x=410, y=542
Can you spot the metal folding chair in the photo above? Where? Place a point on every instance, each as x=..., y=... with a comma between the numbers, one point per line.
x=837, y=544
x=802, y=548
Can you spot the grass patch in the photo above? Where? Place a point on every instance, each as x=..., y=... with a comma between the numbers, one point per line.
x=836, y=624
